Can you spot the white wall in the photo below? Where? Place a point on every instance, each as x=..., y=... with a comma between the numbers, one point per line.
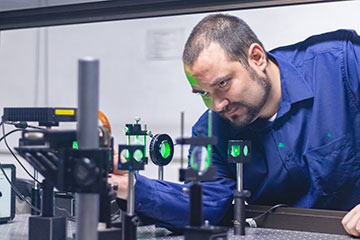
x=132, y=83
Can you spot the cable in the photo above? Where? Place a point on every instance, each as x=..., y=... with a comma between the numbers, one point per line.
x=252, y=221
x=12, y=153
x=68, y=215
x=24, y=125
x=14, y=188
x=7, y=134
x=269, y=210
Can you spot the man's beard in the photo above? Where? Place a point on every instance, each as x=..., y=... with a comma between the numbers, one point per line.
x=251, y=111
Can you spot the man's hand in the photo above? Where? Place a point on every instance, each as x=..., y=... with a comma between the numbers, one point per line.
x=351, y=221
x=119, y=178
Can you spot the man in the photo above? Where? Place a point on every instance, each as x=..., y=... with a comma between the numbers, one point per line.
x=300, y=107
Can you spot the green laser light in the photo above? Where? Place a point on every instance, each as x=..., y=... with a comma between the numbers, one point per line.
x=138, y=155
x=246, y=150
x=75, y=145
x=165, y=149
x=235, y=150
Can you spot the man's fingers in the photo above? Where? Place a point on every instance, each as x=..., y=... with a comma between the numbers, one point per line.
x=350, y=227
x=119, y=184
x=351, y=221
x=347, y=217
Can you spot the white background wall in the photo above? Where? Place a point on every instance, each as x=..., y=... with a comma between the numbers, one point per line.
x=134, y=82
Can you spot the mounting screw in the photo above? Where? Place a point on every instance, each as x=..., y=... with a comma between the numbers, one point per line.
x=207, y=223
x=137, y=120
x=150, y=134
x=185, y=190
x=125, y=130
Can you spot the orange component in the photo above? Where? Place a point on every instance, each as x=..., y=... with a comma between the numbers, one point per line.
x=106, y=125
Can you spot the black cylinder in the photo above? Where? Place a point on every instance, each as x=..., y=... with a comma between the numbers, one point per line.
x=196, y=213
x=130, y=223
x=47, y=201
x=35, y=200
x=239, y=216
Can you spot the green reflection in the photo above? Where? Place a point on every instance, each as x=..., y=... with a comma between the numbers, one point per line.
x=246, y=150
x=165, y=149
x=75, y=145
x=191, y=80
x=235, y=150
x=138, y=155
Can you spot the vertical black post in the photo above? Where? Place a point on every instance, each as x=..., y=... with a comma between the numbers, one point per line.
x=35, y=200
x=47, y=201
x=196, y=213
x=239, y=213
x=105, y=206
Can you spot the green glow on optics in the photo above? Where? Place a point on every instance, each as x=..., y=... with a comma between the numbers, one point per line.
x=195, y=166
x=235, y=150
x=246, y=150
x=165, y=149
x=281, y=145
x=138, y=155
x=126, y=155
x=136, y=141
x=329, y=135
x=75, y=145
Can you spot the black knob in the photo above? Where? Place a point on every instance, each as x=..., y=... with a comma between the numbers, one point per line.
x=85, y=172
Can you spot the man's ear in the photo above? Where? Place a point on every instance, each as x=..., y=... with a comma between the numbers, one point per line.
x=257, y=56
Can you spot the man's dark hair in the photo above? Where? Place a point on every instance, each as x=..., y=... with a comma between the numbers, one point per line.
x=230, y=32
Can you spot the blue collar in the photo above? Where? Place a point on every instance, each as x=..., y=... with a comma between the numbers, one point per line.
x=294, y=88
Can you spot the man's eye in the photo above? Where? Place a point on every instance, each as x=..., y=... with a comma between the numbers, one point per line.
x=223, y=83
x=204, y=94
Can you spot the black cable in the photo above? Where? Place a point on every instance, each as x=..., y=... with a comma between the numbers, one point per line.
x=7, y=134
x=12, y=153
x=68, y=215
x=14, y=188
x=252, y=221
x=24, y=125
x=269, y=210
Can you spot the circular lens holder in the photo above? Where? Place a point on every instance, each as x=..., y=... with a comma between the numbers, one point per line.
x=161, y=149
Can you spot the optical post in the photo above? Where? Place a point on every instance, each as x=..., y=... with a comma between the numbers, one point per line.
x=239, y=152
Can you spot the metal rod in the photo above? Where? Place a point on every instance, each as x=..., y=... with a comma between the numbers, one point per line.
x=161, y=173
x=88, y=100
x=87, y=204
x=239, y=205
x=208, y=160
x=239, y=176
x=36, y=176
x=145, y=129
x=131, y=195
x=182, y=136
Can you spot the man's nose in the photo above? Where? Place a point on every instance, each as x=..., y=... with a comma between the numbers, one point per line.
x=220, y=104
